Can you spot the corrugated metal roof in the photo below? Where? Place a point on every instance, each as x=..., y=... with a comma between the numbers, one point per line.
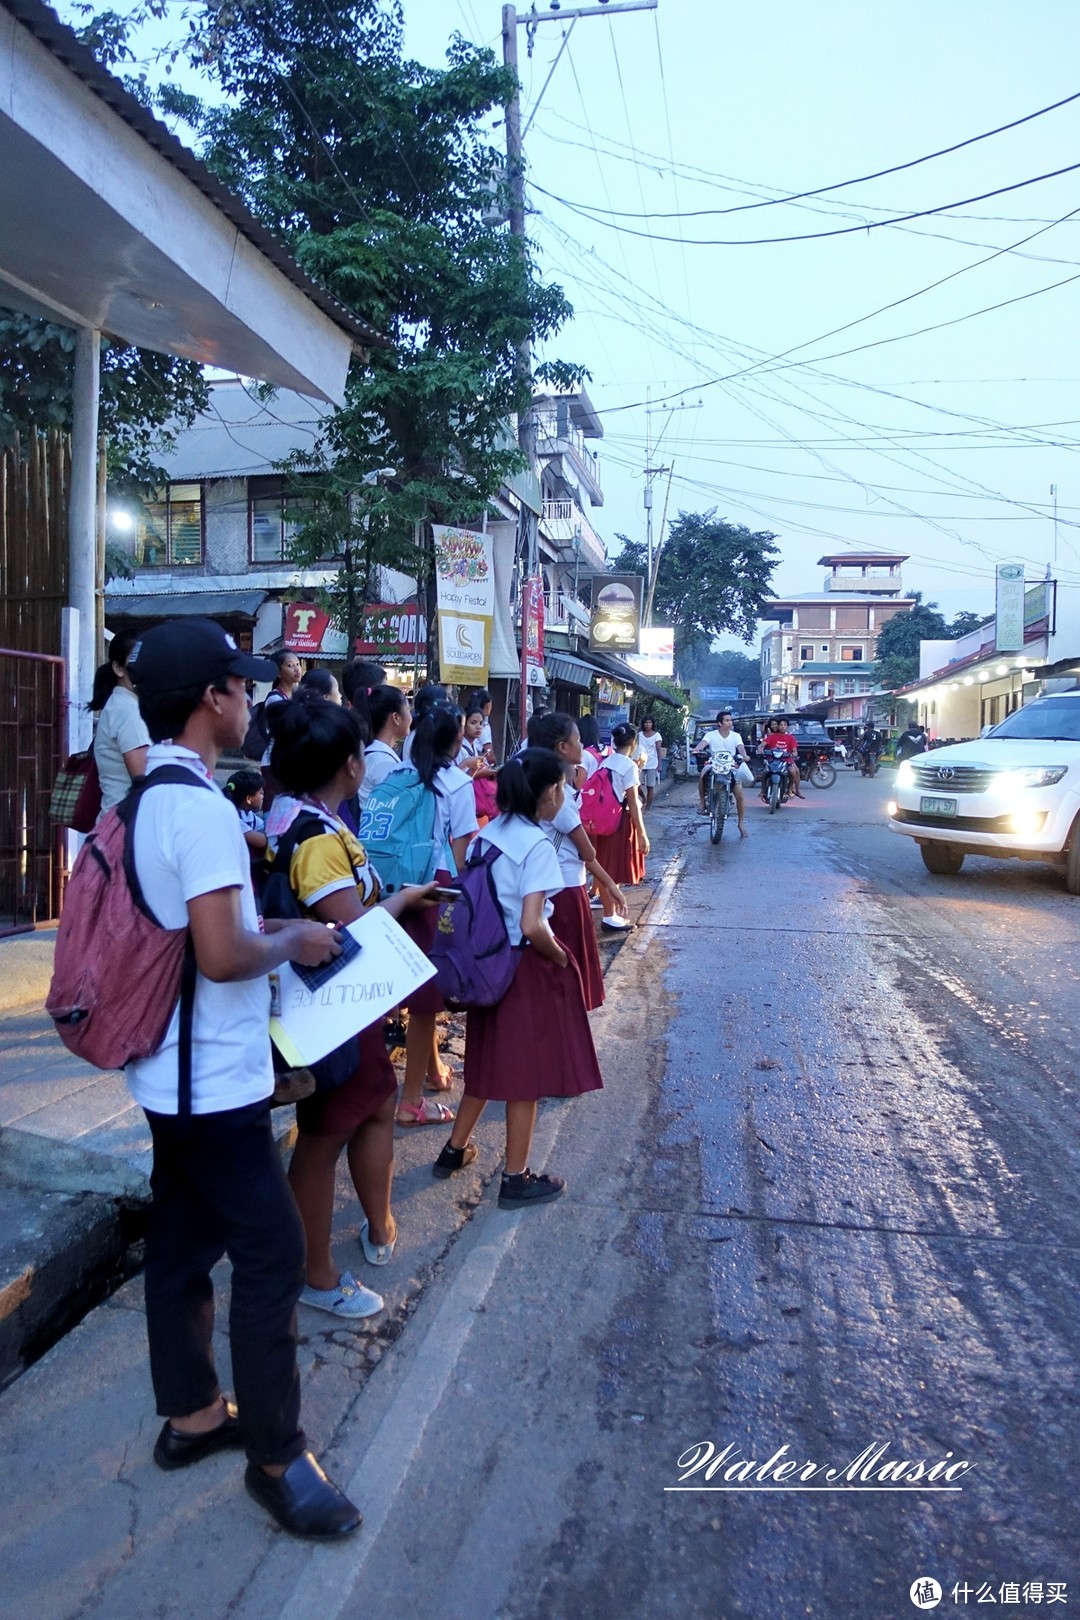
x=41, y=21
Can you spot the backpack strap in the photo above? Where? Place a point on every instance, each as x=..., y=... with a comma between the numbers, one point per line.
x=166, y=776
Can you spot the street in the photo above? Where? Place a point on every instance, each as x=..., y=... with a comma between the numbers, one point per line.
x=828, y=1201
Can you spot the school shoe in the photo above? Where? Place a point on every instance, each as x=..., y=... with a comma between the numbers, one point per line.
x=175, y=1450
x=349, y=1299
x=520, y=1191
x=595, y=903
x=303, y=1501
x=621, y=924
x=452, y=1159
x=376, y=1254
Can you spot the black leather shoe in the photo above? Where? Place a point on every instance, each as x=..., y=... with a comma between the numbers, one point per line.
x=175, y=1450
x=303, y=1500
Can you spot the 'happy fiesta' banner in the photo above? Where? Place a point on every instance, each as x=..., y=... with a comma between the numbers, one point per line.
x=465, y=577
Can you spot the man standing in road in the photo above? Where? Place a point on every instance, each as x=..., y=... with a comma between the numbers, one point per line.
x=910, y=742
x=217, y=1181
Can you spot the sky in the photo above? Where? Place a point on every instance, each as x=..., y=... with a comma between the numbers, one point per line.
x=772, y=379
x=943, y=445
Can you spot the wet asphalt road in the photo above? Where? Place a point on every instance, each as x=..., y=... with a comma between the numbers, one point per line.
x=878, y=1068
x=829, y=1199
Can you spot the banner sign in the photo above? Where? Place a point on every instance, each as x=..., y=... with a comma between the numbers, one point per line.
x=657, y=655
x=615, y=621
x=305, y=626
x=394, y=629
x=465, y=584
x=1009, y=608
x=532, y=631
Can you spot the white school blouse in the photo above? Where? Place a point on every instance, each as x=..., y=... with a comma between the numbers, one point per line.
x=379, y=760
x=527, y=865
x=559, y=832
x=624, y=774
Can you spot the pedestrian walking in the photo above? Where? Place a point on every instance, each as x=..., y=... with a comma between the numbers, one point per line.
x=536, y=1042
x=217, y=1180
x=651, y=745
x=436, y=743
x=571, y=918
x=120, y=738
x=318, y=755
x=622, y=853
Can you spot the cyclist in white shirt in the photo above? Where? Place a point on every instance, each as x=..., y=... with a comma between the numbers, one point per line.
x=725, y=748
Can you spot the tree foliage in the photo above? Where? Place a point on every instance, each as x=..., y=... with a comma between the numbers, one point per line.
x=145, y=396
x=380, y=175
x=897, y=657
x=704, y=667
x=712, y=577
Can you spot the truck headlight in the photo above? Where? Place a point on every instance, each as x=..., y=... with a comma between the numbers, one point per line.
x=1032, y=777
x=905, y=775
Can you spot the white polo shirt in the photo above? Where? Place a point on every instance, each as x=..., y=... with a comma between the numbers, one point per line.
x=190, y=842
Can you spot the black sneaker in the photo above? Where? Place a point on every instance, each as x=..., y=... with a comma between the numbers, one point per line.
x=518, y=1192
x=452, y=1159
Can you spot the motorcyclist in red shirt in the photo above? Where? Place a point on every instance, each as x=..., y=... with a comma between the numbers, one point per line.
x=778, y=736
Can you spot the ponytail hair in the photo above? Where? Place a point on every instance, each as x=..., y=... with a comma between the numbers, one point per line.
x=436, y=741
x=243, y=784
x=623, y=734
x=429, y=697
x=548, y=730
x=523, y=780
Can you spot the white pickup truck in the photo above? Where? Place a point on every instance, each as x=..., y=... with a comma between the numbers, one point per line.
x=1016, y=791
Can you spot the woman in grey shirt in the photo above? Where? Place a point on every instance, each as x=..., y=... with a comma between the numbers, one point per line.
x=121, y=738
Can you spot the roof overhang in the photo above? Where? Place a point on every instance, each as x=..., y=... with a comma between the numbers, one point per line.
x=113, y=225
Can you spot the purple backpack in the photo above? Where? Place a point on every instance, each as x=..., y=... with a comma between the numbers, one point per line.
x=474, y=960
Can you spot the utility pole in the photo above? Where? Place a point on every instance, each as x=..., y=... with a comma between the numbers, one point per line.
x=515, y=163
x=652, y=472
x=1053, y=493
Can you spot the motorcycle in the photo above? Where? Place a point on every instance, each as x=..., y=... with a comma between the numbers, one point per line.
x=775, y=783
x=721, y=801
x=867, y=761
x=822, y=772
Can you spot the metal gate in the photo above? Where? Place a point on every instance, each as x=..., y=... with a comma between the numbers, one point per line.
x=32, y=730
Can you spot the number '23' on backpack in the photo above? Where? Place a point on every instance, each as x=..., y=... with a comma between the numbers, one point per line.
x=118, y=974
x=600, y=804
x=397, y=828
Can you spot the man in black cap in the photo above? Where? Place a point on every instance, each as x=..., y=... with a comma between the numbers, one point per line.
x=218, y=1183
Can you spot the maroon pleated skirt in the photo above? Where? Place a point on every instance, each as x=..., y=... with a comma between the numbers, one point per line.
x=339, y=1112
x=620, y=852
x=537, y=1041
x=572, y=923
x=420, y=927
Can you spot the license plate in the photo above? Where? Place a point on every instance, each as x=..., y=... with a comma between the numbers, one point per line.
x=937, y=807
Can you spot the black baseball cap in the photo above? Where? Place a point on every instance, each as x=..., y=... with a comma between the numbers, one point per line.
x=191, y=652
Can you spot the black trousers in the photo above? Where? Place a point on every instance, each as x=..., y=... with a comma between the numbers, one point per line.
x=219, y=1188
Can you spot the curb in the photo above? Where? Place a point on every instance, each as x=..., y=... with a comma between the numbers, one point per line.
x=26, y=965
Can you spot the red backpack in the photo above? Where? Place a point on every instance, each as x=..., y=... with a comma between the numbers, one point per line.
x=118, y=974
x=601, y=806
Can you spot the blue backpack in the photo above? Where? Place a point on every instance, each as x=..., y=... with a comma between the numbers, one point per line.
x=472, y=955
x=397, y=829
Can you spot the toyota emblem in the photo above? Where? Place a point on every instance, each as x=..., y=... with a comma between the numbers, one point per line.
x=945, y=773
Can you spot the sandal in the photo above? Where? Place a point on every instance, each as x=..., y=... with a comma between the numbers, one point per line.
x=412, y=1114
x=432, y=1084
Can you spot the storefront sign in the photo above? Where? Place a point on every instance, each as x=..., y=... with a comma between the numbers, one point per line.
x=465, y=583
x=394, y=630
x=532, y=632
x=1009, y=608
x=657, y=655
x=615, y=621
x=305, y=626
x=611, y=693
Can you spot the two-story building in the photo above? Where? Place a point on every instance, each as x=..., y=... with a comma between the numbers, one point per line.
x=824, y=644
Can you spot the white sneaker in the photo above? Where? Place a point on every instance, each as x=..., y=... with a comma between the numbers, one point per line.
x=620, y=923
x=349, y=1299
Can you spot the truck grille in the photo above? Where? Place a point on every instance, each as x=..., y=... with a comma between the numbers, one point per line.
x=953, y=778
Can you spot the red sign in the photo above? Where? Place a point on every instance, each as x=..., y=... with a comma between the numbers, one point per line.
x=532, y=631
x=394, y=629
x=305, y=626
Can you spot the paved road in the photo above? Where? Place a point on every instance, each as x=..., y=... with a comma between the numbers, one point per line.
x=828, y=1200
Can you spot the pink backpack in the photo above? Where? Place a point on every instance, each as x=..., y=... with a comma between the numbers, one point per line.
x=118, y=974
x=601, y=807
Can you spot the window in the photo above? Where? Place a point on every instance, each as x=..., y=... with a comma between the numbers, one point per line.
x=806, y=652
x=276, y=515
x=169, y=530
x=824, y=649
x=851, y=654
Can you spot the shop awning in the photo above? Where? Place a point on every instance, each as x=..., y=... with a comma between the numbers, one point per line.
x=610, y=664
x=570, y=671
x=189, y=604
